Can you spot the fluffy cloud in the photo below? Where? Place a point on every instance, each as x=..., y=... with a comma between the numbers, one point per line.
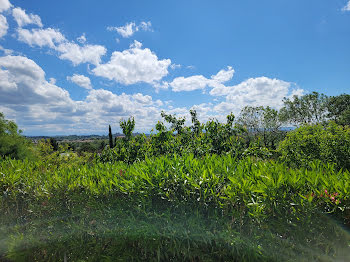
x=261, y=91
x=40, y=106
x=4, y=5
x=143, y=99
x=160, y=85
x=223, y=75
x=200, y=82
x=23, y=19
x=134, y=65
x=105, y=107
x=3, y=26
x=189, y=83
x=347, y=7
x=130, y=28
x=81, y=54
x=54, y=39
x=41, y=37
x=23, y=82
x=80, y=80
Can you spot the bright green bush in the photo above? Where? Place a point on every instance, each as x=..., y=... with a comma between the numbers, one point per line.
x=329, y=144
x=12, y=144
x=199, y=139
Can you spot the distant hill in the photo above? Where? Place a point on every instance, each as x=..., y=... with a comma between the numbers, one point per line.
x=78, y=137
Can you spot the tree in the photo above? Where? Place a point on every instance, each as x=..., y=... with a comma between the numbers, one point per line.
x=110, y=136
x=12, y=144
x=307, y=109
x=53, y=142
x=196, y=127
x=339, y=109
x=127, y=127
x=261, y=123
x=176, y=124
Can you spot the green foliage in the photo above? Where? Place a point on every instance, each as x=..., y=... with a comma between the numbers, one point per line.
x=53, y=142
x=12, y=144
x=110, y=137
x=339, y=109
x=330, y=144
x=176, y=124
x=257, y=150
x=127, y=127
x=263, y=124
x=170, y=209
x=62, y=156
x=306, y=109
x=198, y=139
x=205, y=192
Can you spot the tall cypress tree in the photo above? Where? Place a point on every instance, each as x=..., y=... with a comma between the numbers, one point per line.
x=110, y=137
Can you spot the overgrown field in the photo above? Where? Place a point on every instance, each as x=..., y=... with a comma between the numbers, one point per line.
x=178, y=208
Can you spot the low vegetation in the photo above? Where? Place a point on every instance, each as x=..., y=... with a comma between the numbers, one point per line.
x=244, y=190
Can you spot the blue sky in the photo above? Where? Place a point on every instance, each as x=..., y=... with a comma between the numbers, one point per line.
x=73, y=67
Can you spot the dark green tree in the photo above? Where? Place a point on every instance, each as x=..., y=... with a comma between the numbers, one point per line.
x=110, y=136
x=53, y=142
x=339, y=109
x=12, y=144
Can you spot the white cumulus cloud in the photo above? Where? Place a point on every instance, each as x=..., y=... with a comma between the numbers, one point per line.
x=41, y=37
x=23, y=82
x=55, y=40
x=260, y=91
x=80, y=80
x=134, y=65
x=200, y=82
x=346, y=7
x=81, y=54
x=40, y=106
x=23, y=19
x=4, y=5
x=189, y=83
x=223, y=75
x=3, y=26
x=130, y=28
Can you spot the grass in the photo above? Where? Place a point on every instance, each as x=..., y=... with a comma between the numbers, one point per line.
x=173, y=209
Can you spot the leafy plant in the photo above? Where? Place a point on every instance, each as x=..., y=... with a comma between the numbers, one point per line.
x=12, y=144
x=330, y=143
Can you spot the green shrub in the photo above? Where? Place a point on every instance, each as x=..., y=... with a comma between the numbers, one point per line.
x=329, y=143
x=12, y=144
